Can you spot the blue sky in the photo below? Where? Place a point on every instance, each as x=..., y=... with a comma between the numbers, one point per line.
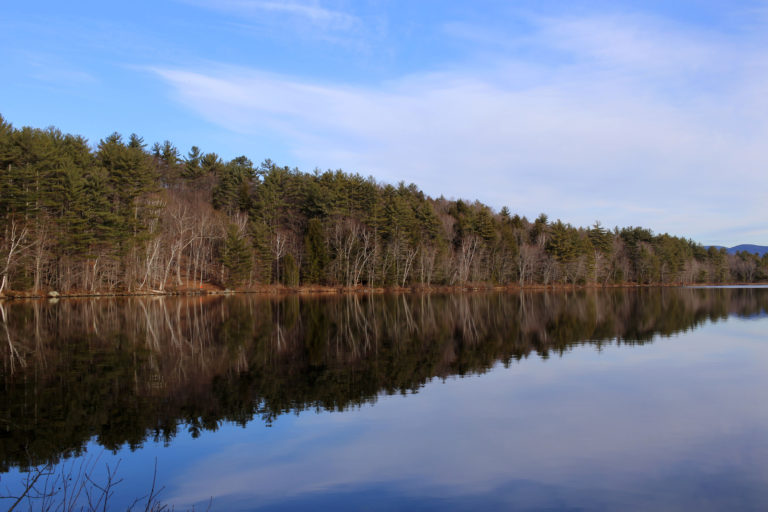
x=648, y=113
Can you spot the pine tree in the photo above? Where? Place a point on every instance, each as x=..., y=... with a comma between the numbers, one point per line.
x=563, y=242
x=131, y=177
x=262, y=237
x=483, y=224
x=192, y=168
x=600, y=238
x=290, y=272
x=316, y=253
x=167, y=159
x=210, y=163
x=236, y=257
x=232, y=193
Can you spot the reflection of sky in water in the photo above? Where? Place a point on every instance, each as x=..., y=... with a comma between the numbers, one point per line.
x=680, y=423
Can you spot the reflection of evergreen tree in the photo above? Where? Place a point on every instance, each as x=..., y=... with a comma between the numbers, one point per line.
x=125, y=370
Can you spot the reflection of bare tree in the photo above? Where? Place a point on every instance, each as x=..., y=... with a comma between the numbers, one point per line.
x=466, y=319
x=13, y=352
x=166, y=361
x=187, y=334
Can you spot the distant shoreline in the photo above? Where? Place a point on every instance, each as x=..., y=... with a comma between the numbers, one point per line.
x=320, y=290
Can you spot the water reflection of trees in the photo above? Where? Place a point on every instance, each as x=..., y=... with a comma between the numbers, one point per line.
x=125, y=370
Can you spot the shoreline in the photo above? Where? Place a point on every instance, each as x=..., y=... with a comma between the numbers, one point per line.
x=320, y=290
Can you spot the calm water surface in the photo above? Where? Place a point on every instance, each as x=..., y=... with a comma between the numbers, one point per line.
x=649, y=399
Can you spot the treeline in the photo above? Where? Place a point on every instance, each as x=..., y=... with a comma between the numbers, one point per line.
x=123, y=216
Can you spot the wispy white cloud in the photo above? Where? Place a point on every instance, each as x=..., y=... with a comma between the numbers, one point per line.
x=49, y=69
x=310, y=11
x=634, y=42
x=631, y=116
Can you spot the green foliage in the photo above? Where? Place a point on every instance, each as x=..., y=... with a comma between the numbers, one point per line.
x=261, y=236
x=600, y=238
x=236, y=257
x=167, y=159
x=131, y=177
x=718, y=260
x=316, y=254
x=540, y=229
x=134, y=218
x=233, y=191
x=192, y=164
x=210, y=163
x=563, y=242
x=484, y=225
x=290, y=271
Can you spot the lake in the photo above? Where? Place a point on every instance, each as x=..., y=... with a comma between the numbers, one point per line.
x=619, y=399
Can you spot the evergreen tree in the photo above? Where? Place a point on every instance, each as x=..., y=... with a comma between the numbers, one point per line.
x=563, y=242
x=262, y=238
x=167, y=160
x=484, y=225
x=210, y=163
x=133, y=219
x=236, y=257
x=600, y=238
x=232, y=193
x=290, y=271
x=192, y=164
x=316, y=253
x=540, y=230
x=131, y=177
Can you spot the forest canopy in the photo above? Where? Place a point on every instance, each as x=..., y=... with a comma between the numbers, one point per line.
x=129, y=217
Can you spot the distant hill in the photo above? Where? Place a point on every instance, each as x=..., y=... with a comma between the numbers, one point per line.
x=751, y=248
x=759, y=249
